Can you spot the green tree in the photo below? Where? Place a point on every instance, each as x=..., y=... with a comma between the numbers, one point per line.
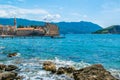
x=20, y=26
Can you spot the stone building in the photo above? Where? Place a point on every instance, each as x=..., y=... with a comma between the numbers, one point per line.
x=6, y=30
x=24, y=31
x=1, y=29
x=39, y=31
x=51, y=29
x=46, y=30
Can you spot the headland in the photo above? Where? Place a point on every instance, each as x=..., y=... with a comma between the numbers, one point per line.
x=47, y=30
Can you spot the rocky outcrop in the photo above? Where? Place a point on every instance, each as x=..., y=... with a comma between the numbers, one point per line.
x=94, y=72
x=67, y=70
x=11, y=68
x=8, y=76
x=49, y=66
x=2, y=67
x=115, y=29
x=8, y=67
x=6, y=72
x=12, y=54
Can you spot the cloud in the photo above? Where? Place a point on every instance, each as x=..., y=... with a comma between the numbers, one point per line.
x=35, y=14
x=51, y=17
x=16, y=10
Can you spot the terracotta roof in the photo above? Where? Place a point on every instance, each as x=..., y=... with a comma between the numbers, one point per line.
x=25, y=28
x=39, y=29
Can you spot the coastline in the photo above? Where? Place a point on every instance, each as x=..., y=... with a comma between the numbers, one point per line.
x=33, y=69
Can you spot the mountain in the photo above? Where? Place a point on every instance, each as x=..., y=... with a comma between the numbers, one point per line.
x=115, y=29
x=78, y=27
x=65, y=27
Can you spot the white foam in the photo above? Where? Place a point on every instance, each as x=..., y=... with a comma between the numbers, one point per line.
x=2, y=47
x=31, y=69
x=115, y=73
x=18, y=55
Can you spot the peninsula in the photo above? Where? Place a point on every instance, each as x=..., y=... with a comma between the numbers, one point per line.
x=115, y=29
x=47, y=30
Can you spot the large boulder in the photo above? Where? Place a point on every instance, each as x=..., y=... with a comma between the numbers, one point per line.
x=67, y=70
x=8, y=76
x=11, y=68
x=70, y=69
x=49, y=66
x=12, y=54
x=61, y=70
x=2, y=66
x=94, y=72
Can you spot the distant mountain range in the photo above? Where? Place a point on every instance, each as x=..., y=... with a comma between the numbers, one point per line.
x=65, y=27
x=115, y=29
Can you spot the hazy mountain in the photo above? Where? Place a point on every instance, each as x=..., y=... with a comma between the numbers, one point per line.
x=78, y=27
x=65, y=27
x=115, y=29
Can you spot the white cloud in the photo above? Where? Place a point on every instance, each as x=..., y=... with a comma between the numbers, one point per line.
x=16, y=10
x=3, y=13
x=51, y=17
x=35, y=14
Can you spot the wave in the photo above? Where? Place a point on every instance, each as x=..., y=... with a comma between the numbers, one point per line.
x=115, y=73
x=31, y=69
x=2, y=47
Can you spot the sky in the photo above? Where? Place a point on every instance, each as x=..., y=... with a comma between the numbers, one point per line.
x=102, y=12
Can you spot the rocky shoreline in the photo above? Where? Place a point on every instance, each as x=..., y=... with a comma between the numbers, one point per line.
x=9, y=72
x=93, y=72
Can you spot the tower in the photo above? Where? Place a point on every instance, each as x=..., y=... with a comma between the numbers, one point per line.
x=15, y=23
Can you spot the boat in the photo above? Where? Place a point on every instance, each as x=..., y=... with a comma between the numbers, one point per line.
x=58, y=37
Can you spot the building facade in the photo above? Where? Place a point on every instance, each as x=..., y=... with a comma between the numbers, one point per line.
x=46, y=30
x=51, y=29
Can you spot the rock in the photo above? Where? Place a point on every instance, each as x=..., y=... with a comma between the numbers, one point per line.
x=70, y=69
x=2, y=66
x=12, y=54
x=94, y=72
x=19, y=78
x=11, y=68
x=49, y=66
x=67, y=70
x=61, y=70
x=8, y=75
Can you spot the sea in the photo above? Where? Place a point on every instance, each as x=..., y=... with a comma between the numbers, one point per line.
x=78, y=50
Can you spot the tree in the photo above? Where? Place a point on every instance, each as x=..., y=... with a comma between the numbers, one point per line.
x=20, y=26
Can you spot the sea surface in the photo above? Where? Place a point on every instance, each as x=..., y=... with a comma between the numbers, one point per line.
x=78, y=50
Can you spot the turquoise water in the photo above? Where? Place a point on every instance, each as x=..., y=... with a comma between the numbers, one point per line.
x=87, y=48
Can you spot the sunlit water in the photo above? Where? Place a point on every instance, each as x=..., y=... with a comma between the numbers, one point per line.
x=78, y=50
